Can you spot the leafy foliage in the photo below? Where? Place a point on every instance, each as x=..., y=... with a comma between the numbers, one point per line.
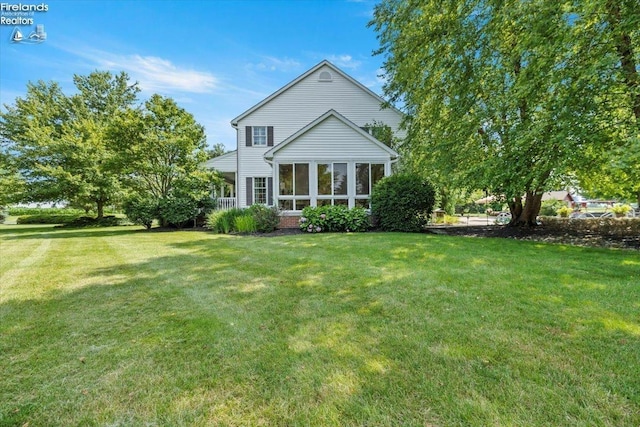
x=267, y=219
x=512, y=96
x=334, y=219
x=60, y=142
x=47, y=219
x=256, y=218
x=245, y=224
x=402, y=202
x=141, y=210
x=550, y=207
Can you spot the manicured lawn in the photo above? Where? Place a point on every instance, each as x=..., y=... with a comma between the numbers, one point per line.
x=119, y=327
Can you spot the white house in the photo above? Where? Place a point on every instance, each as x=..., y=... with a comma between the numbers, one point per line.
x=307, y=145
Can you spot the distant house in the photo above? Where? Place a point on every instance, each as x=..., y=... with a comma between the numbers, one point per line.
x=563, y=196
x=307, y=145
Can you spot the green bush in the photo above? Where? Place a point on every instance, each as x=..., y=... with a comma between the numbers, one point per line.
x=402, y=203
x=47, y=219
x=245, y=223
x=89, y=222
x=267, y=219
x=564, y=211
x=176, y=211
x=18, y=211
x=333, y=218
x=550, y=207
x=141, y=211
x=223, y=222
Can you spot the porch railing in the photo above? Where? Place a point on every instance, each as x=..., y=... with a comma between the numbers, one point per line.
x=225, y=203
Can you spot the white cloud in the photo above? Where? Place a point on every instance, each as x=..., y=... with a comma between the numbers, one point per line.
x=344, y=61
x=271, y=63
x=157, y=74
x=153, y=74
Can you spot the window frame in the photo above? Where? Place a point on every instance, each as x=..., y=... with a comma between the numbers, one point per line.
x=253, y=136
x=256, y=188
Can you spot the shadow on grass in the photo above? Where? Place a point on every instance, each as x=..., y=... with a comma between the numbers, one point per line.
x=51, y=232
x=324, y=330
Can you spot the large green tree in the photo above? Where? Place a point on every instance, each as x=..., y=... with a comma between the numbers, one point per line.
x=60, y=141
x=165, y=148
x=498, y=93
x=608, y=33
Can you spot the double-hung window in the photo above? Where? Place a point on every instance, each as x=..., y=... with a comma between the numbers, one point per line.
x=259, y=136
x=260, y=191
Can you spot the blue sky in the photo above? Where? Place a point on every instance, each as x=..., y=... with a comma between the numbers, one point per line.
x=215, y=58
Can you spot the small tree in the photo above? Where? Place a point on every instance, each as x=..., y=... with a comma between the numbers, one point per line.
x=402, y=203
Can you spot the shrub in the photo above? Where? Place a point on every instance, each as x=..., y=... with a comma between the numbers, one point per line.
x=267, y=219
x=447, y=219
x=402, y=203
x=47, y=219
x=21, y=211
x=564, y=211
x=550, y=207
x=245, y=223
x=621, y=210
x=333, y=218
x=176, y=210
x=88, y=222
x=223, y=222
x=141, y=210
x=3, y=215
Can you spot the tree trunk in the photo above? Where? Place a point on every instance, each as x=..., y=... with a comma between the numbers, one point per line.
x=100, y=204
x=526, y=216
x=624, y=48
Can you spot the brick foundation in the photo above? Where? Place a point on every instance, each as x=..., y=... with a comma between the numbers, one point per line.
x=289, y=221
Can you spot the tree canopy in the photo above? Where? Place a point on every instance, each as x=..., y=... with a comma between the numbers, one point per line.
x=507, y=95
x=97, y=147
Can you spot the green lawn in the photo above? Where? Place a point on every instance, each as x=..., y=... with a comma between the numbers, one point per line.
x=120, y=327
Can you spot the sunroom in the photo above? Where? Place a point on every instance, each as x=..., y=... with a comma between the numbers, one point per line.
x=329, y=162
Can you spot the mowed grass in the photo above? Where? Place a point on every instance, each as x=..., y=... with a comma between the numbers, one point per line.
x=121, y=327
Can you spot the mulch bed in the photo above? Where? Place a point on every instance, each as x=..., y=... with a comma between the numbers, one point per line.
x=543, y=234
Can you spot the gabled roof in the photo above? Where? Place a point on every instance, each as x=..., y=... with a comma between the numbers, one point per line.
x=331, y=113
x=211, y=162
x=234, y=122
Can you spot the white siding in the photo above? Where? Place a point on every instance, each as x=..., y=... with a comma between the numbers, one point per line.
x=300, y=105
x=331, y=140
x=225, y=163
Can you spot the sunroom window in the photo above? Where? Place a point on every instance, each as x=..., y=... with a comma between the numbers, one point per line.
x=293, y=191
x=367, y=175
x=333, y=184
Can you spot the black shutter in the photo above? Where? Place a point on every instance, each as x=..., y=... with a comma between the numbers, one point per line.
x=248, y=136
x=269, y=136
x=270, y=191
x=249, y=191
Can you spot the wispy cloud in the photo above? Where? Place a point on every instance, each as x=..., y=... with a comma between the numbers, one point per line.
x=344, y=61
x=154, y=74
x=271, y=63
x=157, y=74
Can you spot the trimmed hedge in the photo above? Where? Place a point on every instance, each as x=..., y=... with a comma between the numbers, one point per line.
x=602, y=226
x=402, y=202
x=334, y=218
x=47, y=219
x=17, y=211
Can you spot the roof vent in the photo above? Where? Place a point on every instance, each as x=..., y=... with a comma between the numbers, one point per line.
x=325, y=76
